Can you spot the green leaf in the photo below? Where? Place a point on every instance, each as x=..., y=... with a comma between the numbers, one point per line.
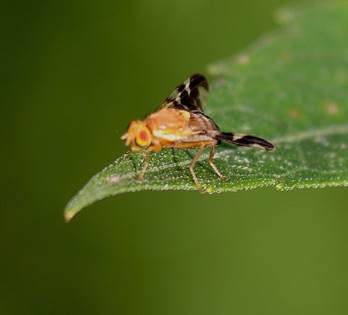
x=291, y=88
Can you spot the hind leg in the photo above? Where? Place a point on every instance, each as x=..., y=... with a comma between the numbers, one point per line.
x=211, y=157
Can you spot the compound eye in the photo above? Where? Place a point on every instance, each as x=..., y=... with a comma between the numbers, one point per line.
x=143, y=138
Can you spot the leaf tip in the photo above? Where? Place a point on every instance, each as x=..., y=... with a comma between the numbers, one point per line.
x=69, y=214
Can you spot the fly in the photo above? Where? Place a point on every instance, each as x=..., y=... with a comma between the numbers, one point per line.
x=181, y=123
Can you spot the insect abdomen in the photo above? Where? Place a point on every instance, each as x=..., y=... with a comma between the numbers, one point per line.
x=201, y=123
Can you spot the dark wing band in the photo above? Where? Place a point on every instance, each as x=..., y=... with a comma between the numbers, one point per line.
x=191, y=95
x=246, y=140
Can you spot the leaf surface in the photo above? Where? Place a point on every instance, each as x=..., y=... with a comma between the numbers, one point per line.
x=291, y=87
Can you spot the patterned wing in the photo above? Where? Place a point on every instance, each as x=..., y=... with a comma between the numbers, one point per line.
x=192, y=95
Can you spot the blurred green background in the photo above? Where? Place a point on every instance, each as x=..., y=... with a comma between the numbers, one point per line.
x=73, y=74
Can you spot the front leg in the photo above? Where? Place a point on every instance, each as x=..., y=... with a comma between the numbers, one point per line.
x=146, y=164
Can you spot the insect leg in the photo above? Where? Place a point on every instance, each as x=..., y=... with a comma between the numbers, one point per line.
x=211, y=157
x=192, y=166
x=146, y=164
x=127, y=154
